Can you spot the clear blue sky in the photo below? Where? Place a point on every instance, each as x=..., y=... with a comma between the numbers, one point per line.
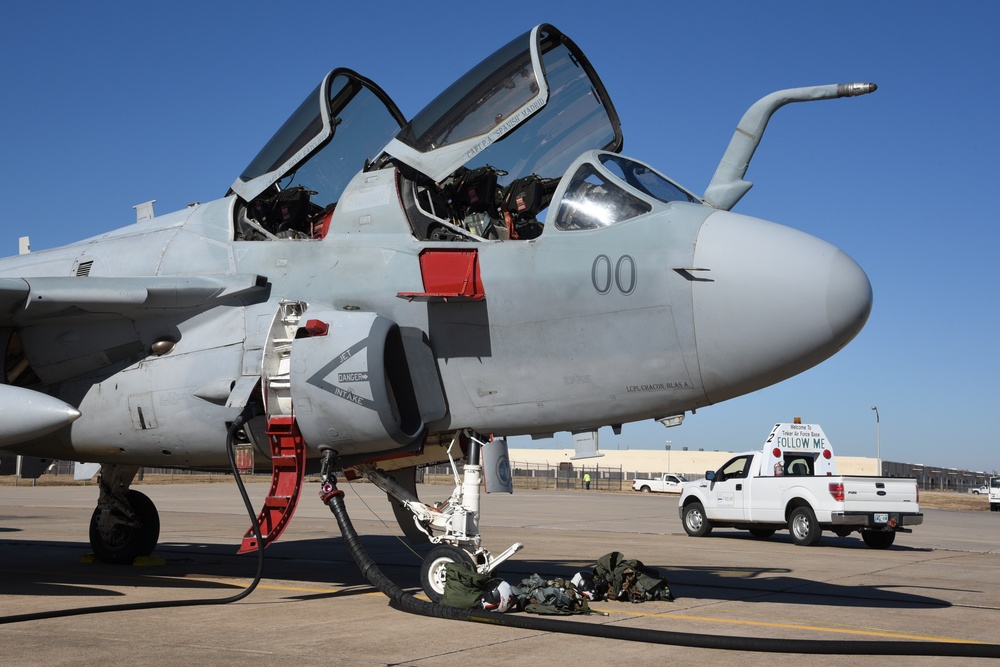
x=109, y=104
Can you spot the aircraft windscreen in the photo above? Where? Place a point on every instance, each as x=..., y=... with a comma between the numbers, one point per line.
x=645, y=180
x=592, y=201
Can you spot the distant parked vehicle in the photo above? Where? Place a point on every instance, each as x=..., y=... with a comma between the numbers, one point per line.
x=977, y=490
x=667, y=483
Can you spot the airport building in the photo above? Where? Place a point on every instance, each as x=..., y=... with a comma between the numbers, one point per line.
x=618, y=468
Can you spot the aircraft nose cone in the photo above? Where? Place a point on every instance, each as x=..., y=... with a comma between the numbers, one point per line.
x=774, y=302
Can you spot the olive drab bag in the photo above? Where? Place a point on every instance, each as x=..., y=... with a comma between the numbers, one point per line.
x=629, y=580
x=464, y=587
x=536, y=595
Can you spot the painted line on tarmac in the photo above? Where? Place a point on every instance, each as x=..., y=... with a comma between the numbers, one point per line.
x=793, y=626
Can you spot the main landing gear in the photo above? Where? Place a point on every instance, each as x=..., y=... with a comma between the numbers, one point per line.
x=125, y=524
x=452, y=526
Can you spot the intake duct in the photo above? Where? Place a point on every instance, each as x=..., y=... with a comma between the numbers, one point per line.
x=359, y=383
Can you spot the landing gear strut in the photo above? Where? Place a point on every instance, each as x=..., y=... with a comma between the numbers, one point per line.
x=452, y=525
x=125, y=523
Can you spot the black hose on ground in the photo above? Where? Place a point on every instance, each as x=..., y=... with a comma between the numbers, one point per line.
x=400, y=599
x=81, y=611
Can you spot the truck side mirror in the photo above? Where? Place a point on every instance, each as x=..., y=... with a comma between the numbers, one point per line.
x=710, y=475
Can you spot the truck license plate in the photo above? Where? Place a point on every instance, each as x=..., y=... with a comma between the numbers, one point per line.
x=881, y=517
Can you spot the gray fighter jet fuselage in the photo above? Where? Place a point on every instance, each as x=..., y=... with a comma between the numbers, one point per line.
x=498, y=268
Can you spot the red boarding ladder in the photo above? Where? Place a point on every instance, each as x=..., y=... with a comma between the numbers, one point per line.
x=288, y=467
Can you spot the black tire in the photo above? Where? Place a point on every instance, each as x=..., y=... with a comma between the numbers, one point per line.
x=126, y=543
x=432, y=572
x=645, y=489
x=878, y=539
x=696, y=524
x=843, y=532
x=803, y=527
x=762, y=533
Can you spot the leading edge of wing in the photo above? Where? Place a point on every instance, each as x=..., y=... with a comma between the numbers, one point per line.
x=26, y=299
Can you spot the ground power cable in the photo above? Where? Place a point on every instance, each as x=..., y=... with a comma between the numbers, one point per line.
x=404, y=601
x=62, y=613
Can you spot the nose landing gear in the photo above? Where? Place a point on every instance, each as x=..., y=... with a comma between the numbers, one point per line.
x=452, y=525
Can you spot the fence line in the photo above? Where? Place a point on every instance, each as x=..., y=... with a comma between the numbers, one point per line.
x=569, y=475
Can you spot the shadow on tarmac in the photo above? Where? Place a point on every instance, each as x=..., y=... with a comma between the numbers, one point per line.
x=47, y=569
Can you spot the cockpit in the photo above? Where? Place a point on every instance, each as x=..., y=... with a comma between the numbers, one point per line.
x=483, y=161
x=292, y=186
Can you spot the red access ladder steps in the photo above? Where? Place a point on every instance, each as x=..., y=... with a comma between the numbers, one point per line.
x=288, y=467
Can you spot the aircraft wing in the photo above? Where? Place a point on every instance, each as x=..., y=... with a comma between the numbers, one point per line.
x=23, y=300
x=69, y=326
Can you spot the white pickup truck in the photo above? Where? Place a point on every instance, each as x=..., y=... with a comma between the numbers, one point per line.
x=667, y=483
x=792, y=483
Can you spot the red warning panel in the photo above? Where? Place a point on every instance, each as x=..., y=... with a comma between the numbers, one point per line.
x=449, y=274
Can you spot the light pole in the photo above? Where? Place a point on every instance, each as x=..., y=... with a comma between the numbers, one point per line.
x=669, y=442
x=878, y=440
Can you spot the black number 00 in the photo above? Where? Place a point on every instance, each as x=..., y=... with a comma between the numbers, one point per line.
x=622, y=275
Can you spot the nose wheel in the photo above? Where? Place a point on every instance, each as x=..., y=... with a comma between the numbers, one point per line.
x=433, y=573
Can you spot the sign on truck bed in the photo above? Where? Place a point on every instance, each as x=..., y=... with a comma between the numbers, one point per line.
x=792, y=482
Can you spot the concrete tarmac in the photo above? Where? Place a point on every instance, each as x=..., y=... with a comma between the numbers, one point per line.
x=940, y=583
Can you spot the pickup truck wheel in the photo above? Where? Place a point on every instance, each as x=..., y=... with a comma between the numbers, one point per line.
x=762, y=533
x=878, y=539
x=645, y=489
x=696, y=524
x=803, y=527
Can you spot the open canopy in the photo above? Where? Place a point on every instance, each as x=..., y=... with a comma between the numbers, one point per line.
x=343, y=122
x=530, y=108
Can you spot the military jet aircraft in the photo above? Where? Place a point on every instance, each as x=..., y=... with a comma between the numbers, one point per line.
x=376, y=294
